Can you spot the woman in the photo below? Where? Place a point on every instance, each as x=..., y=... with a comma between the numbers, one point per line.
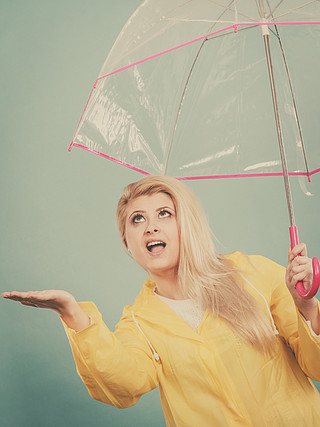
x=224, y=338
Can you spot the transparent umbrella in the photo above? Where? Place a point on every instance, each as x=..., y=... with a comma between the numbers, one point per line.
x=185, y=91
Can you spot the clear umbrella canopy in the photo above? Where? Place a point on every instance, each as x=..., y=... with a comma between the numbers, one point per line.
x=185, y=89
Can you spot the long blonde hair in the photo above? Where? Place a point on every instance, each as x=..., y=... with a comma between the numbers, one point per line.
x=203, y=274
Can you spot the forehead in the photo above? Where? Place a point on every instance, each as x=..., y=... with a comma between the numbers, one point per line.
x=150, y=202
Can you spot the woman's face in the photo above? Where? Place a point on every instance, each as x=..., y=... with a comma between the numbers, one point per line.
x=152, y=234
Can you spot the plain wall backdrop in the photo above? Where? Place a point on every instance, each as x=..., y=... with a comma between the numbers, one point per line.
x=57, y=210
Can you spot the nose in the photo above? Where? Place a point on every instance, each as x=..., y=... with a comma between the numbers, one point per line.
x=151, y=228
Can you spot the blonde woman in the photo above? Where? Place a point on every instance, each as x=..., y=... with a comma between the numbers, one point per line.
x=226, y=338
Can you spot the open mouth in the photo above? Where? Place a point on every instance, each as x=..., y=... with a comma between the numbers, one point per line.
x=154, y=246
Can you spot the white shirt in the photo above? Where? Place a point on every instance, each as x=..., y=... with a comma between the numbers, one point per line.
x=189, y=310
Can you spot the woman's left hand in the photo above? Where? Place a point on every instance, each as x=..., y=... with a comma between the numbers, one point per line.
x=299, y=269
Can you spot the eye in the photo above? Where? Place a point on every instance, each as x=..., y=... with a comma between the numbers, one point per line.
x=137, y=218
x=164, y=214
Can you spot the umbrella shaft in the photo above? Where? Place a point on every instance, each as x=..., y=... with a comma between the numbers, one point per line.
x=266, y=38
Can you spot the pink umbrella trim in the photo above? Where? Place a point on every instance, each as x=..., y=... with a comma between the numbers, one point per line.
x=185, y=178
x=235, y=28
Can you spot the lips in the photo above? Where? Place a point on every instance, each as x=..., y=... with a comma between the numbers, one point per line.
x=155, y=246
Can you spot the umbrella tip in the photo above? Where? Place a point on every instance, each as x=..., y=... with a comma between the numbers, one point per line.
x=309, y=178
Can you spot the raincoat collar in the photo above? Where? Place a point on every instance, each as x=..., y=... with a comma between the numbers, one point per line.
x=152, y=310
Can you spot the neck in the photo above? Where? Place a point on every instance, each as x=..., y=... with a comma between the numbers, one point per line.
x=168, y=286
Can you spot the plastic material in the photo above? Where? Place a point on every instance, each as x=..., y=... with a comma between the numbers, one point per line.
x=184, y=90
x=306, y=294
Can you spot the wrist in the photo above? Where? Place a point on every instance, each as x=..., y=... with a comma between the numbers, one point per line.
x=74, y=317
x=311, y=312
x=307, y=307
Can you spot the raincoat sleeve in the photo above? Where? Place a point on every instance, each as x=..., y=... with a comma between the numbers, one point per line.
x=117, y=368
x=292, y=326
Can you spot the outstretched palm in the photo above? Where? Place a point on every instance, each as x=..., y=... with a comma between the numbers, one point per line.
x=56, y=300
x=60, y=301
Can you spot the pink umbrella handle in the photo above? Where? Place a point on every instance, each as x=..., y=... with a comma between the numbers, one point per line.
x=315, y=265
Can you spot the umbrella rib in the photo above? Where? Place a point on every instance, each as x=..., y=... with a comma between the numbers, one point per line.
x=276, y=33
x=180, y=104
x=275, y=8
x=294, y=103
x=218, y=20
x=290, y=10
x=235, y=9
x=266, y=38
x=184, y=92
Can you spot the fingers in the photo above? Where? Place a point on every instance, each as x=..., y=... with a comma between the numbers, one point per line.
x=299, y=268
x=299, y=249
x=15, y=296
x=36, y=295
x=21, y=296
x=301, y=277
x=39, y=299
x=29, y=304
x=30, y=298
x=300, y=264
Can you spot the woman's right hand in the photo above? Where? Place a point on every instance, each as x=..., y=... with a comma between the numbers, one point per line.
x=60, y=301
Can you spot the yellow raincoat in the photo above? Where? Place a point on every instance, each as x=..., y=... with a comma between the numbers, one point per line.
x=210, y=377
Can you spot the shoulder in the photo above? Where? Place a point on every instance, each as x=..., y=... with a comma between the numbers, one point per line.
x=143, y=300
x=242, y=260
x=262, y=272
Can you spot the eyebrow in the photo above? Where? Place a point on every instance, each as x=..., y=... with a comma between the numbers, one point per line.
x=157, y=210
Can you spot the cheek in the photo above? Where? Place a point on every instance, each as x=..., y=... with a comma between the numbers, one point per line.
x=129, y=240
x=128, y=237
x=132, y=238
x=176, y=237
x=175, y=231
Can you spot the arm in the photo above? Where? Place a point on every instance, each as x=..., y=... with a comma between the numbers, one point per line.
x=292, y=325
x=116, y=368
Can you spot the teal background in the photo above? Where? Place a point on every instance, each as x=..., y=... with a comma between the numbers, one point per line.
x=57, y=210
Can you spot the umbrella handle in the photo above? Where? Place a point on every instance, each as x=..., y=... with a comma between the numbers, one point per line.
x=315, y=265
